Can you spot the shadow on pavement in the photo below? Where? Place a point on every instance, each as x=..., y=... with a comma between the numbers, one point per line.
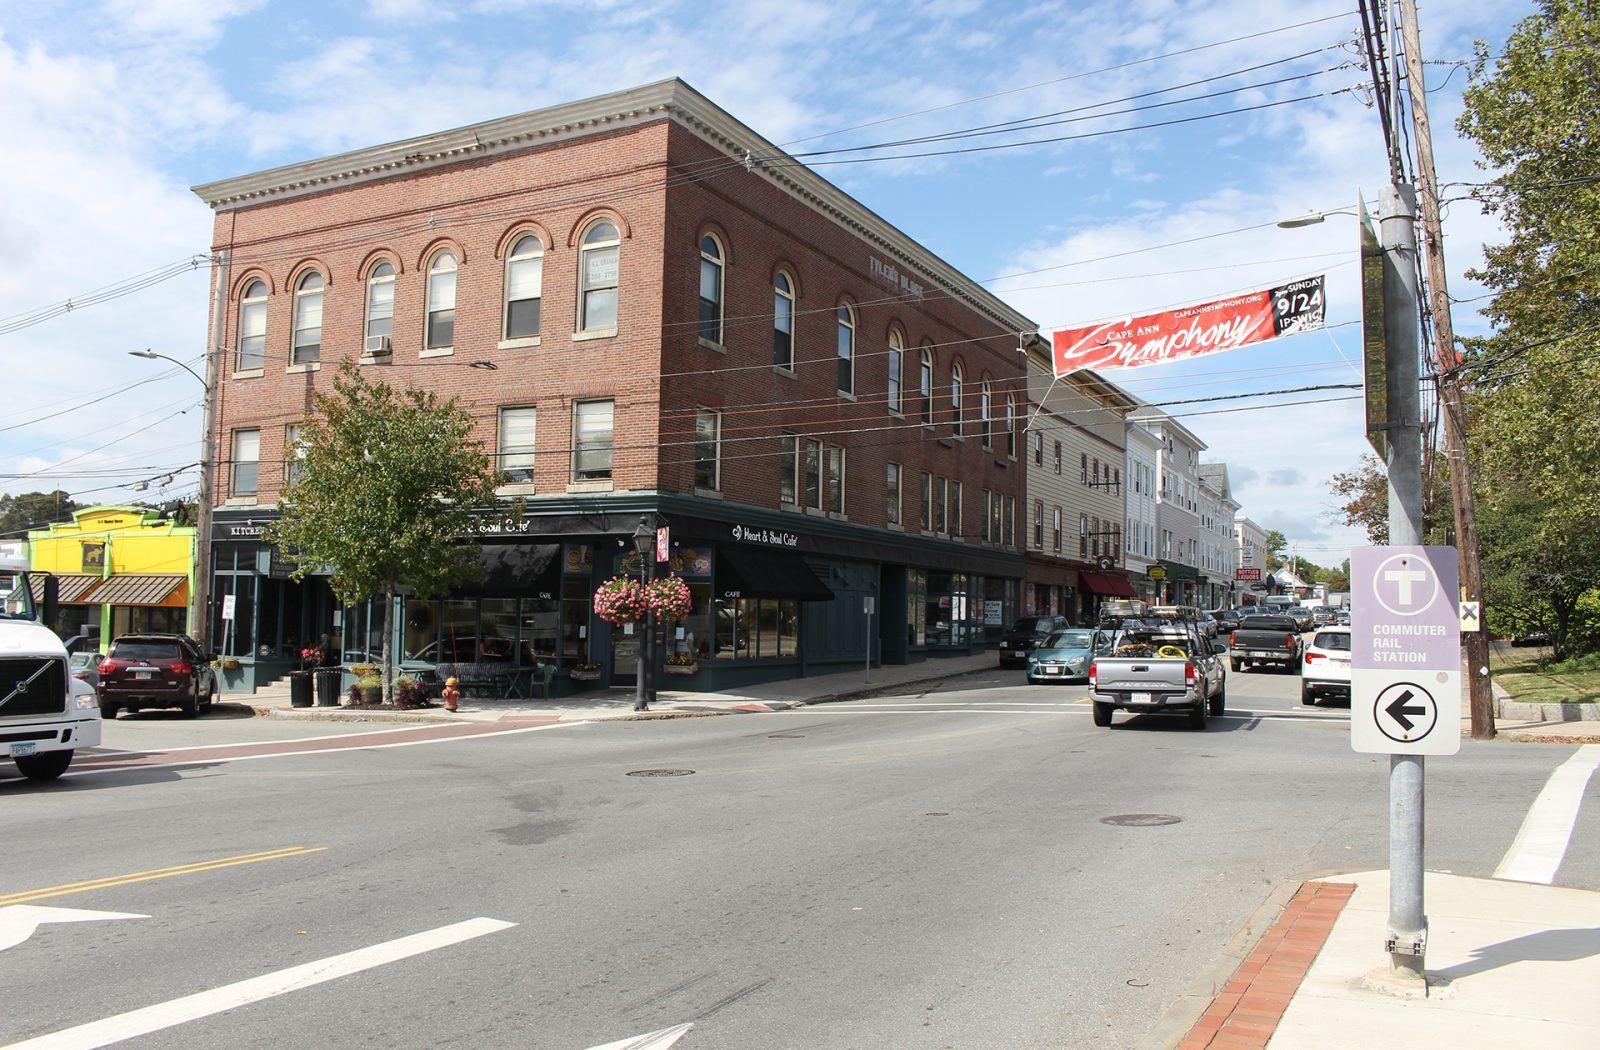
x=219, y=710
x=1544, y=946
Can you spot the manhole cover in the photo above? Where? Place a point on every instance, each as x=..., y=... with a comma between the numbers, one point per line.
x=1140, y=820
x=660, y=772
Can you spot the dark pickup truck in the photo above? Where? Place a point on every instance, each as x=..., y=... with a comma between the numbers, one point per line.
x=1265, y=640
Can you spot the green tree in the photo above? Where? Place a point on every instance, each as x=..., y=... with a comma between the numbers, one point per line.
x=1364, y=500
x=34, y=510
x=1534, y=431
x=1277, y=542
x=391, y=482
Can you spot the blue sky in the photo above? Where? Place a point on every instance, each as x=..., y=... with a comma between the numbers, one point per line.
x=115, y=108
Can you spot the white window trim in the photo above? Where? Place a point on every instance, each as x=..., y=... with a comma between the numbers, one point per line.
x=721, y=263
x=300, y=295
x=508, y=342
x=847, y=311
x=716, y=450
x=584, y=249
x=427, y=301
x=372, y=281
x=247, y=300
x=793, y=300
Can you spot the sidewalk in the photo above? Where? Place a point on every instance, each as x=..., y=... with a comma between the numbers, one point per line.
x=1524, y=731
x=273, y=701
x=1509, y=964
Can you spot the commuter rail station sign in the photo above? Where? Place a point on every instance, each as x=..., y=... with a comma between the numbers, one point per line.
x=1405, y=651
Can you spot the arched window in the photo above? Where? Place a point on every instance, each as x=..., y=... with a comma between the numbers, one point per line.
x=441, y=301
x=847, y=349
x=986, y=415
x=897, y=355
x=380, y=308
x=1011, y=426
x=711, y=290
x=925, y=385
x=956, y=380
x=307, y=320
x=524, y=287
x=253, y=326
x=783, y=321
x=598, y=262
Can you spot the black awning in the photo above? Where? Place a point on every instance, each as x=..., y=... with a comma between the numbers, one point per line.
x=768, y=574
x=519, y=570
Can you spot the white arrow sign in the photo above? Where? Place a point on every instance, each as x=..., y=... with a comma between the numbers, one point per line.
x=18, y=921
x=650, y=1041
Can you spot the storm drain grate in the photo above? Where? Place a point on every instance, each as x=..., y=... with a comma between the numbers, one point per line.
x=1141, y=820
x=660, y=772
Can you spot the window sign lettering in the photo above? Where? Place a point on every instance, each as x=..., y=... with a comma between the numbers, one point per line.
x=770, y=537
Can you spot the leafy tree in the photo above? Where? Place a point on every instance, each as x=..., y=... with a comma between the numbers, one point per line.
x=390, y=484
x=1276, y=543
x=34, y=510
x=1534, y=431
x=1364, y=500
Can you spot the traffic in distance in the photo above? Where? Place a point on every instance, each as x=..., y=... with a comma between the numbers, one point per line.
x=1141, y=658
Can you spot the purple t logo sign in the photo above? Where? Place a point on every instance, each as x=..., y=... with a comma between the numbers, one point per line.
x=1405, y=578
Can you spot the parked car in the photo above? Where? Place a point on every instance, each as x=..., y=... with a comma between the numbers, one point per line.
x=1303, y=618
x=1024, y=637
x=1208, y=624
x=84, y=665
x=1531, y=638
x=1171, y=668
x=1227, y=619
x=1065, y=656
x=1325, y=671
x=143, y=671
x=1265, y=640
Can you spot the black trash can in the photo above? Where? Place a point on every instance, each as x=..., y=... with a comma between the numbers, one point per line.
x=328, y=681
x=300, y=688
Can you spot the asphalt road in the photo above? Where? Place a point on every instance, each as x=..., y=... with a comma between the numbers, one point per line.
x=927, y=870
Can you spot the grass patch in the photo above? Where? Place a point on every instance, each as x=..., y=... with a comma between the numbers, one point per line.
x=1532, y=680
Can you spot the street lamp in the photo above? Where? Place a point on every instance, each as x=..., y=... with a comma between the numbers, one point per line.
x=199, y=618
x=643, y=537
x=1310, y=218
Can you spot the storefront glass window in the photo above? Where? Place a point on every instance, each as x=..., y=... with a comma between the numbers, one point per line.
x=421, y=629
x=730, y=636
x=458, y=629
x=938, y=611
x=766, y=627
x=498, y=622
x=916, y=609
x=266, y=618
x=539, y=629
x=696, y=640
x=757, y=628
x=788, y=627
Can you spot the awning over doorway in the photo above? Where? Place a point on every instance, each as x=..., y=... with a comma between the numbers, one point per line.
x=1109, y=586
x=142, y=589
x=72, y=587
x=520, y=570
x=768, y=574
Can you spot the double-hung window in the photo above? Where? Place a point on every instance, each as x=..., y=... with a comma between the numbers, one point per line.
x=592, y=423
x=246, y=462
x=813, y=474
x=1083, y=535
x=707, y=449
x=847, y=349
x=986, y=415
x=1055, y=530
x=1038, y=524
x=897, y=355
x=441, y=301
x=836, y=479
x=294, y=457
x=1038, y=450
x=1011, y=426
x=893, y=494
x=253, y=327
x=788, y=468
x=711, y=273
x=927, y=501
x=941, y=491
x=380, y=306
x=955, y=509
x=1058, y=457
x=307, y=320
x=783, y=321
x=524, y=287
x=599, y=259
x=517, y=428
x=956, y=380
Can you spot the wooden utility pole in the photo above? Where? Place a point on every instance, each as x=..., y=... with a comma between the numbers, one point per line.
x=1446, y=361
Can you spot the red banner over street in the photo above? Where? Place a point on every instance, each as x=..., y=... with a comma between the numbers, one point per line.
x=1190, y=331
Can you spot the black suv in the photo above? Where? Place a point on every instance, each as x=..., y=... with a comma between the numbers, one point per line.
x=1024, y=637
x=156, y=670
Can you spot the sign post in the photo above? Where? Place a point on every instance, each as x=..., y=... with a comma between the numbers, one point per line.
x=1405, y=701
x=869, y=605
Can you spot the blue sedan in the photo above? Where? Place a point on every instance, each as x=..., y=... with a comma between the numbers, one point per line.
x=1064, y=656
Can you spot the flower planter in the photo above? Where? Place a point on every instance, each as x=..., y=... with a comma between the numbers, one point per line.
x=300, y=688
x=584, y=676
x=681, y=669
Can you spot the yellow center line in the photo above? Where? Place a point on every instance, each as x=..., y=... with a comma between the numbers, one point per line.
x=24, y=896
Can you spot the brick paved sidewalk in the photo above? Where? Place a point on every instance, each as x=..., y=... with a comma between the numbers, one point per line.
x=1246, y=1012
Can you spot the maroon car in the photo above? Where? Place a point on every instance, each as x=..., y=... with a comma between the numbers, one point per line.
x=155, y=670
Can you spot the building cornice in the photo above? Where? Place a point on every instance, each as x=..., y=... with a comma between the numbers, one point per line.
x=671, y=100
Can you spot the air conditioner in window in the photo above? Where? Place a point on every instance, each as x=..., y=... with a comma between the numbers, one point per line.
x=375, y=346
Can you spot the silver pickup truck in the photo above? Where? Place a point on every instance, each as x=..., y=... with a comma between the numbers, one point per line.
x=1168, y=668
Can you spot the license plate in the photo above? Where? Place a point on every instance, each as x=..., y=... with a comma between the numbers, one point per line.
x=1140, y=698
x=141, y=675
x=24, y=750
x=1052, y=670
x=1257, y=652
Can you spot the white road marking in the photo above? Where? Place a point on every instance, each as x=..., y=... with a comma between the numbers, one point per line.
x=1541, y=843
x=114, y=752
x=18, y=921
x=319, y=751
x=230, y=996
x=650, y=1041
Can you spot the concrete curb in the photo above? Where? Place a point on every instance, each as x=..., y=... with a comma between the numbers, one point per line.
x=1176, y=1021
x=739, y=707
x=1546, y=712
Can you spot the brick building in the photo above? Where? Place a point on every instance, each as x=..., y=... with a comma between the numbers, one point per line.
x=652, y=312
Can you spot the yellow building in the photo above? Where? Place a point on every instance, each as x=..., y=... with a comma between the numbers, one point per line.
x=121, y=569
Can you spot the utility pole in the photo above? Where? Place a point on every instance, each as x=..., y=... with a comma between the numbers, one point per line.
x=1445, y=363
x=200, y=626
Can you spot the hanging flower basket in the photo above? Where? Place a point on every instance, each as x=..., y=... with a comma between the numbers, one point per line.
x=669, y=599
x=619, y=601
